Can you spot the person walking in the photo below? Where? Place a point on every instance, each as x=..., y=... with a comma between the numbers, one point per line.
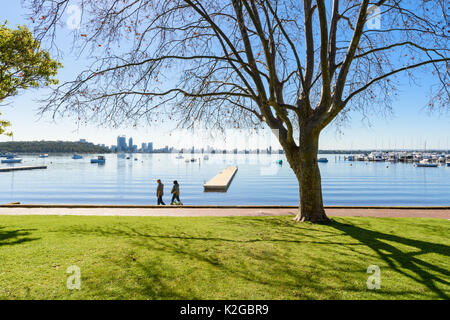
x=160, y=192
x=175, y=192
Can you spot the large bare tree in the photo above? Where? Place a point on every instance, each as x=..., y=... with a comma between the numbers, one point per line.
x=292, y=65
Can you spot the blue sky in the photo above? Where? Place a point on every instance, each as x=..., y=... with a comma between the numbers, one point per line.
x=411, y=125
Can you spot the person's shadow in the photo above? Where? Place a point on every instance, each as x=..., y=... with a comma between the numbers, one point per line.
x=406, y=264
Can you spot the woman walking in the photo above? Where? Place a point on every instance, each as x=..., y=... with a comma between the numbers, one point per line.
x=175, y=193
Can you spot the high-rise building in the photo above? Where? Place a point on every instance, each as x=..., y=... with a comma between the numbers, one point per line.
x=130, y=143
x=121, y=144
x=144, y=147
x=150, y=147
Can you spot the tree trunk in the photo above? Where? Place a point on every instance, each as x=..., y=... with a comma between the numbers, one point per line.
x=305, y=166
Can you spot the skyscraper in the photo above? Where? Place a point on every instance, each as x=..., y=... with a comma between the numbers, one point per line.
x=121, y=143
x=130, y=143
x=150, y=147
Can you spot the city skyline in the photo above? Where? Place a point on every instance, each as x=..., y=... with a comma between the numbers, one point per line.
x=147, y=147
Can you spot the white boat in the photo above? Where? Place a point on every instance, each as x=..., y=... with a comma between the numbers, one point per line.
x=426, y=163
x=375, y=156
x=12, y=160
x=205, y=157
x=392, y=157
x=179, y=157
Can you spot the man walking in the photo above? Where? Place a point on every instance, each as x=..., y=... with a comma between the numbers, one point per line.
x=175, y=193
x=160, y=192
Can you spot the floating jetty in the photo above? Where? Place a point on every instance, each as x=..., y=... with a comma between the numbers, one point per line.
x=222, y=181
x=22, y=168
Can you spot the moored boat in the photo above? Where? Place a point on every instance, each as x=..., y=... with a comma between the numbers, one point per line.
x=426, y=163
x=77, y=156
x=44, y=155
x=12, y=160
x=322, y=160
x=7, y=155
x=100, y=160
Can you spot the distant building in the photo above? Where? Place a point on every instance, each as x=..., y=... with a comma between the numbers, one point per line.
x=121, y=144
x=130, y=143
x=150, y=147
x=83, y=141
x=144, y=147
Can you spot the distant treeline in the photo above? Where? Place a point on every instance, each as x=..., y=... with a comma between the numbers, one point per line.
x=51, y=147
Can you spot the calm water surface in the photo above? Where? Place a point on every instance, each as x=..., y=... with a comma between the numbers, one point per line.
x=259, y=181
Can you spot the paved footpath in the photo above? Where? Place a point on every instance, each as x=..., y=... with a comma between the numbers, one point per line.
x=221, y=212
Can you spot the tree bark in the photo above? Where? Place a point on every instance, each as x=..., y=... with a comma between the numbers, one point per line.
x=305, y=166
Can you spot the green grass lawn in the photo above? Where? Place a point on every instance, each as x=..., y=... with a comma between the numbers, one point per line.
x=223, y=258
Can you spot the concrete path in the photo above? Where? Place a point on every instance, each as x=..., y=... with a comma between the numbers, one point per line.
x=216, y=212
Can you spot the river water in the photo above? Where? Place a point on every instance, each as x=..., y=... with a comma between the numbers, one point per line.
x=259, y=181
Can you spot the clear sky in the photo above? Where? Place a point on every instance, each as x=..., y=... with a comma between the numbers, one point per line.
x=411, y=125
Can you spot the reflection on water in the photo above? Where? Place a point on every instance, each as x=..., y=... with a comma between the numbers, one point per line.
x=260, y=180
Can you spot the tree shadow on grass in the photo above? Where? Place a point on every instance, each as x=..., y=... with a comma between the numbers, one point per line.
x=212, y=257
x=266, y=268
x=11, y=237
x=402, y=262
